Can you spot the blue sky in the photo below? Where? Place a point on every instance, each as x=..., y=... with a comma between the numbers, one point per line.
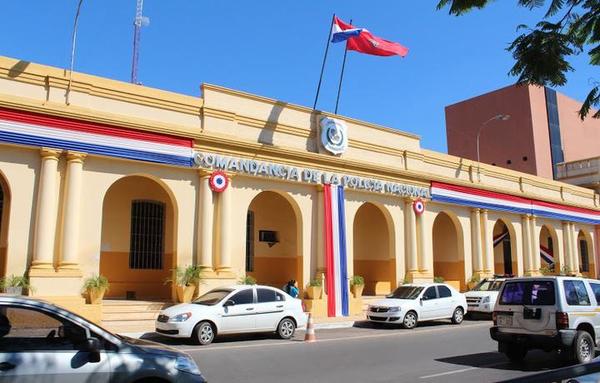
x=274, y=48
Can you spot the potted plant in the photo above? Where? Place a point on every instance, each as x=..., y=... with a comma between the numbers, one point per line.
x=96, y=286
x=314, y=289
x=15, y=284
x=357, y=284
x=438, y=279
x=247, y=280
x=475, y=279
x=186, y=281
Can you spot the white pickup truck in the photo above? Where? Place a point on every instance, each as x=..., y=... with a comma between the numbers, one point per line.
x=482, y=297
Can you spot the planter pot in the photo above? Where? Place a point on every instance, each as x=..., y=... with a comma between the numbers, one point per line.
x=357, y=290
x=185, y=293
x=314, y=292
x=96, y=295
x=14, y=290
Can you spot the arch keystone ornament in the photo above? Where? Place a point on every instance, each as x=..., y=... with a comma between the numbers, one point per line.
x=418, y=206
x=218, y=181
x=334, y=135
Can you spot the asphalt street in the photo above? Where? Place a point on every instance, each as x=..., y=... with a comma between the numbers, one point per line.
x=433, y=352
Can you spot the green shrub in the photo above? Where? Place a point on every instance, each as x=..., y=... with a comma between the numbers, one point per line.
x=96, y=282
x=185, y=277
x=247, y=280
x=315, y=282
x=438, y=279
x=475, y=278
x=357, y=280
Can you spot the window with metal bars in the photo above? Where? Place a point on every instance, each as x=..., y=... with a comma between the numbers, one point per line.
x=147, y=240
x=584, y=267
x=250, y=241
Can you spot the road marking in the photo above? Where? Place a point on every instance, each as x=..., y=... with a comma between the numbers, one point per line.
x=462, y=370
x=285, y=343
x=448, y=373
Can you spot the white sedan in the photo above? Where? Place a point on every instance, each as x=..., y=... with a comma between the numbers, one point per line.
x=410, y=304
x=235, y=309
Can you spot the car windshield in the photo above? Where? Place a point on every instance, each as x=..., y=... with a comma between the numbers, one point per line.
x=406, y=292
x=488, y=285
x=212, y=297
x=540, y=293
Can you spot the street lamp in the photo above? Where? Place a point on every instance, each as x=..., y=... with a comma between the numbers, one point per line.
x=501, y=117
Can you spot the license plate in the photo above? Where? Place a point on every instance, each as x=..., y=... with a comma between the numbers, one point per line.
x=504, y=320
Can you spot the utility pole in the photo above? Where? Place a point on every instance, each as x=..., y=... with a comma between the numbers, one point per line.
x=139, y=22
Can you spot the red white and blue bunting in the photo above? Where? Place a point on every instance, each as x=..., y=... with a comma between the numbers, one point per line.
x=465, y=196
x=336, y=277
x=545, y=253
x=32, y=129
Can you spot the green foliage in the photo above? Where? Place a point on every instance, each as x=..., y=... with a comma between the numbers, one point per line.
x=96, y=282
x=438, y=279
x=315, y=282
x=15, y=281
x=185, y=277
x=247, y=280
x=357, y=280
x=406, y=280
x=547, y=270
x=568, y=28
x=564, y=270
x=475, y=278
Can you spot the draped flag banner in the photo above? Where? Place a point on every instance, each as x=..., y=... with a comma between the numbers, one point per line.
x=336, y=277
x=546, y=255
x=361, y=40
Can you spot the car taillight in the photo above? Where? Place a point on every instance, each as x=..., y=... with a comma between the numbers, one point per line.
x=562, y=320
x=495, y=318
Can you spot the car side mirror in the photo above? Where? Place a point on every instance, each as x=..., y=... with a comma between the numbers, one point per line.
x=229, y=303
x=92, y=346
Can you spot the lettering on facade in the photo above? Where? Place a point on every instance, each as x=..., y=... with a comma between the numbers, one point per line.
x=291, y=173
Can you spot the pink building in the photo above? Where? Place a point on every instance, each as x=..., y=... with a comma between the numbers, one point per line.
x=543, y=130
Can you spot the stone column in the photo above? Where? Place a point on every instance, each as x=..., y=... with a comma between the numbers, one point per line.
x=488, y=244
x=45, y=226
x=70, y=235
x=535, y=246
x=525, y=232
x=225, y=231
x=568, y=260
x=476, y=254
x=425, y=253
x=320, y=272
x=574, y=249
x=205, y=225
x=411, y=236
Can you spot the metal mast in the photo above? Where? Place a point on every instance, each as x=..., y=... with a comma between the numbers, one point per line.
x=139, y=22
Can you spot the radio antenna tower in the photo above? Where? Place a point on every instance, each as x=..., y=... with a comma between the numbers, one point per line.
x=139, y=22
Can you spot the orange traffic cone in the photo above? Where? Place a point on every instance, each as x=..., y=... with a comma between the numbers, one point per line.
x=310, y=330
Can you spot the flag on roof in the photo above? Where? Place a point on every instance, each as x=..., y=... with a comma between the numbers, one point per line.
x=361, y=40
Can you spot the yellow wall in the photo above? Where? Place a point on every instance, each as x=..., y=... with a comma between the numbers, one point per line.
x=447, y=262
x=116, y=229
x=374, y=271
x=276, y=271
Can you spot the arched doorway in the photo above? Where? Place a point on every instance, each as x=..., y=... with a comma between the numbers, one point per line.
x=373, y=259
x=4, y=214
x=585, y=255
x=138, y=239
x=448, y=251
x=504, y=262
x=549, y=257
x=273, y=254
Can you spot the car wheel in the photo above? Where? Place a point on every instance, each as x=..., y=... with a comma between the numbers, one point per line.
x=583, y=350
x=410, y=320
x=458, y=316
x=204, y=333
x=515, y=352
x=286, y=328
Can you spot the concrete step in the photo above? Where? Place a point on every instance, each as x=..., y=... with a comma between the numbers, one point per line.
x=127, y=327
x=133, y=315
x=116, y=306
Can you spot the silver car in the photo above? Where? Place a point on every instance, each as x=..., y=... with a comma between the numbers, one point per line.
x=40, y=342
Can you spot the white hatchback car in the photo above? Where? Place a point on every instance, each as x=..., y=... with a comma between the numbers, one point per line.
x=235, y=309
x=410, y=304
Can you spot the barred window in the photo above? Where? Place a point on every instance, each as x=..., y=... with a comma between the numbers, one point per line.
x=584, y=267
x=147, y=240
x=250, y=241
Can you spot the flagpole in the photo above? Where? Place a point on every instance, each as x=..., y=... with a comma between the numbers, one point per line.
x=337, y=100
x=324, y=61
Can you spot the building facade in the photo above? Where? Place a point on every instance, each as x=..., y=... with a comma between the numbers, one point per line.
x=544, y=130
x=105, y=177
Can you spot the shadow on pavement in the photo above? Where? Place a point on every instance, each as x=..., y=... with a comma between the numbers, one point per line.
x=535, y=360
x=220, y=339
x=393, y=326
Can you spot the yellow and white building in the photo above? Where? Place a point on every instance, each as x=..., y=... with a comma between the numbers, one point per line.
x=113, y=179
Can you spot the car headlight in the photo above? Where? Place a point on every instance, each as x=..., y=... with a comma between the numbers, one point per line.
x=186, y=364
x=394, y=309
x=180, y=317
x=485, y=299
